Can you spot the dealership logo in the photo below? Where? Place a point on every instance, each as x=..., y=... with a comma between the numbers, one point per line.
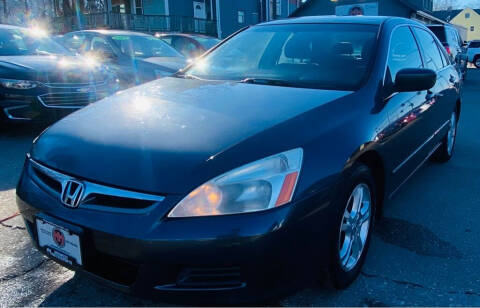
x=58, y=237
x=72, y=193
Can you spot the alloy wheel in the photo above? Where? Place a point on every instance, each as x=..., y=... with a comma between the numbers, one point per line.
x=452, y=133
x=355, y=226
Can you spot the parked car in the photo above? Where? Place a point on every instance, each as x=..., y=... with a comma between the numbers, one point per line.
x=233, y=178
x=190, y=45
x=134, y=57
x=454, y=45
x=473, y=53
x=42, y=81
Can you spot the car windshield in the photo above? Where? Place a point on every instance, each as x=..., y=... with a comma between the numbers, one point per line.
x=440, y=33
x=207, y=42
x=18, y=42
x=324, y=56
x=475, y=44
x=139, y=46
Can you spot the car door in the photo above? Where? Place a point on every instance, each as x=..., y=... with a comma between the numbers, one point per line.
x=403, y=135
x=436, y=109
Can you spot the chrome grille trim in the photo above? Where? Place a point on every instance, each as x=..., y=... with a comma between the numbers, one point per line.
x=67, y=99
x=11, y=117
x=58, y=85
x=93, y=188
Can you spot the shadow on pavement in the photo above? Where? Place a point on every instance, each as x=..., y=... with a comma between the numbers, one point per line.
x=415, y=238
x=82, y=291
x=15, y=142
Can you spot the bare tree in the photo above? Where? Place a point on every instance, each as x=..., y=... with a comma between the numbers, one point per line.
x=5, y=10
x=443, y=5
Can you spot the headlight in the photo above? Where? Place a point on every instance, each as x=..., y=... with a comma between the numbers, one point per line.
x=18, y=84
x=257, y=186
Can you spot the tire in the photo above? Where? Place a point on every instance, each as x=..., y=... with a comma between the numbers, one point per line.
x=476, y=61
x=347, y=260
x=445, y=152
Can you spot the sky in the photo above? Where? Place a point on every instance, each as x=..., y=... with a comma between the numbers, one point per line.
x=460, y=4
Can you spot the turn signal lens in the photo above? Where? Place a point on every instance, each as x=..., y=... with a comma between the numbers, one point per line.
x=287, y=189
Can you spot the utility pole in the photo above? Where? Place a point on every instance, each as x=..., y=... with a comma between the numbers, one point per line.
x=274, y=9
x=26, y=7
x=5, y=11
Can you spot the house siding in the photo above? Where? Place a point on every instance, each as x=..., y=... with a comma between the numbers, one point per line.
x=229, y=15
x=154, y=7
x=385, y=7
x=181, y=7
x=467, y=23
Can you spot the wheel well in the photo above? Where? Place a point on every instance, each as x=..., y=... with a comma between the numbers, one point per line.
x=375, y=163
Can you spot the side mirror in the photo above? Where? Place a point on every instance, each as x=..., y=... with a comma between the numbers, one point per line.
x=415, y=79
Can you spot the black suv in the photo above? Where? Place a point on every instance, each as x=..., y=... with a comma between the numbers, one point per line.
x=453, y=43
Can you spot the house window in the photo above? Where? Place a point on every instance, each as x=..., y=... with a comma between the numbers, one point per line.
x=467, y=15
x=279, y=7
x=472, y=28
x=241, y=17
x=138, y=7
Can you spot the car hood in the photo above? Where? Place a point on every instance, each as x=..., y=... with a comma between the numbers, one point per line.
x=50, y=69
x=161, y=137
x=171, y=64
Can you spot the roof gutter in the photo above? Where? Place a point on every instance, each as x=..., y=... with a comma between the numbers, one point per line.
x=431, y=17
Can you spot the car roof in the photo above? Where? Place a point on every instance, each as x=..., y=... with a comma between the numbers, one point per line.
x=187, y=35
x=439, y=25
x=372, y=20
x=115, y=32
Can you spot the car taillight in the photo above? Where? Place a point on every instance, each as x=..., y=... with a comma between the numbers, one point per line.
x=448, y=50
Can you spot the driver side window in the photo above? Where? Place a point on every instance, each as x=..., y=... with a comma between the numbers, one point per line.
x=100, y=44
x=404, y=53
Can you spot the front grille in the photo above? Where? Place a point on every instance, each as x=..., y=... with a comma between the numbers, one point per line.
x=64, y=85
x=67, y=100
x=48, y=181
x=96, y=196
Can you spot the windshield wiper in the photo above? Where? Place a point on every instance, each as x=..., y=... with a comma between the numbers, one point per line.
x=270, y=82
x=43, y=53
x=186, y=76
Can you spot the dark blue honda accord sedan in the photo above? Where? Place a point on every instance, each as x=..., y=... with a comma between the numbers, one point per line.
x=263, y=162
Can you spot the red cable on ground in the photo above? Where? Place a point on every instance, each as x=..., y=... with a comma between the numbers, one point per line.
x=10, y=217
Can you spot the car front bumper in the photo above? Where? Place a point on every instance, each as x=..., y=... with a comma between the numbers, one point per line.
x=50, y=103
x=226, y=259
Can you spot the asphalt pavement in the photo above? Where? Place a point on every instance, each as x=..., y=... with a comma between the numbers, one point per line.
x=425, y=251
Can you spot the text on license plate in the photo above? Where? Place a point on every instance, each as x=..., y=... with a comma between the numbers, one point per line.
x=59, y=242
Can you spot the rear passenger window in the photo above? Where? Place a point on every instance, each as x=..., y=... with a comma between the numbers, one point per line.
x=452, y=38
x=431, y=54
x=167, y=39
x=404, y=52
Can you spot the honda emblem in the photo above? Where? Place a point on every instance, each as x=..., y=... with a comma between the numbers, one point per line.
x=72, y=193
